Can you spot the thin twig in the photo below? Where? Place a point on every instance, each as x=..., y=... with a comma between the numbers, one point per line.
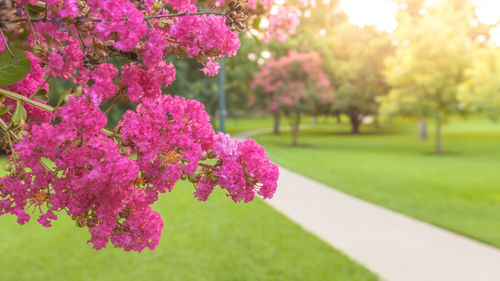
x=81, y=38
x=208, y=166
x=206, y=20
x=204, y=165
x=6, y=44
x=152, y=26
x=115, y=102
x=40, y=87
x=186, y=14
x=46, y=10
x=41, y=106
x=172, y=40
x=30, y=23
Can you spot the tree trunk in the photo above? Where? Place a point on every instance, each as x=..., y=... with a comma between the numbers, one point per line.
x=438, y=134
x=315, y=120
x=295, y=130
x=376, y=122
x=355, y=122
x=276, y=123
x=422, y=129
x=339, y=120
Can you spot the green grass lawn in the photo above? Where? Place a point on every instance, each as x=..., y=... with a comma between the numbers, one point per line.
x=240, y=125
x=459, y=190
x=216, y=240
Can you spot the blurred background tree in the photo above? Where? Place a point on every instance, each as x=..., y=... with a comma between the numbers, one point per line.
x=294, y=85
x=357, y=76
x=480, y=91
x=432, y=51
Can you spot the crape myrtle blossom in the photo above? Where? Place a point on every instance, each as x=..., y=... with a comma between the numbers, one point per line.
x=65, y=160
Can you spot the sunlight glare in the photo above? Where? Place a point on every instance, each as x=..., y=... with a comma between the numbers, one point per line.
x=274, y=10
x=381, y=13
x=264, y=23
x=265, y=54
x=371, y=12
x=488, y=11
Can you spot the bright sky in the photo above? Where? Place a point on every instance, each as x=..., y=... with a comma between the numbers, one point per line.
x=370, y=12
x=381, y=13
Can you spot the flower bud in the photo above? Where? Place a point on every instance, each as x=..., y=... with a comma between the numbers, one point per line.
x=7, y=166
x=210, y=153
x=125, y=151
x=91, y=222
x=78, y=91
x=147, y=176
x=78, y=142
x=212, y=177
x=251, y=180
x=99, y=44
x=162, y=23
x=204, y=156
x=81, y=222
x=125, y=212
x=194, y=178
x=157, y=6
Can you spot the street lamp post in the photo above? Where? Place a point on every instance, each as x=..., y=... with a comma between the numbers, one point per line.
x=222, y=98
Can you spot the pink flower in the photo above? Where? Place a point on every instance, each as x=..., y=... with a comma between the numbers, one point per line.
x=211, y=68
x=104, y=87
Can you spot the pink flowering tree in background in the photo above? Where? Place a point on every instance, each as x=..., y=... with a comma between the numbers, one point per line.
x=294, y=85
x=63, y=158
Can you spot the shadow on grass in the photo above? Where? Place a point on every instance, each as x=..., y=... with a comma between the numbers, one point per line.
x=300, y=145
x=443, y=154
x=360, y=134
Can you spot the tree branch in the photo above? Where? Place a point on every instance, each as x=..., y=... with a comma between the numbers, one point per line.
x=146, y=17
x=27, y=100
x=41, y=106
x=6, y=44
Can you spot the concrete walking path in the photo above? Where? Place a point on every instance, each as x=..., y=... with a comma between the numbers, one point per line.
x=394, y=246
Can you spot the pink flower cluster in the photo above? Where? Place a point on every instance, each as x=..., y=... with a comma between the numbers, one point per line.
x=171, y=136
x=244, y=169
x=282, y=23
x=283, y=18
x=65, y=160
x=99, y=184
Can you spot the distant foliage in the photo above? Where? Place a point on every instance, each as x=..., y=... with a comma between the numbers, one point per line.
x=294, y=83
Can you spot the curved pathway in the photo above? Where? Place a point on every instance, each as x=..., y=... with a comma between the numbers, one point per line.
x=392, y=245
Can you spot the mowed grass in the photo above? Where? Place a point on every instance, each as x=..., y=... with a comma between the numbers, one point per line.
x=459, y=190
x=239, y=125
x=215, y=240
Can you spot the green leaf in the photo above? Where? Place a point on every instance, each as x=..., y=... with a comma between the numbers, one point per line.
x=37, y=8
x=5, y=110
x=19, y=114
x=42, y=96
x=256, y=23
x=63, y=99
x=13, y=69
